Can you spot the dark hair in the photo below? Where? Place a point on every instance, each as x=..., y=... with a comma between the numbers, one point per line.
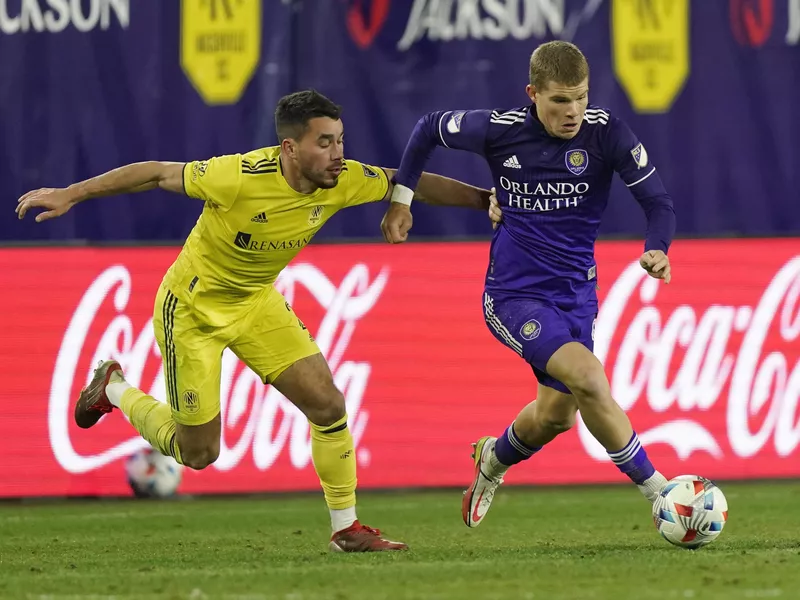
x=295, y=111
x=557, y=61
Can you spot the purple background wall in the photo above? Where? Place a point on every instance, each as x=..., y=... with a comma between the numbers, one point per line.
x=75, y=103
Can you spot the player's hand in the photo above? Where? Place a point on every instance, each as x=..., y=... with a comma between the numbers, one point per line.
x=656, y=263
x=56, y=201
x=396, y=223
x=495, y=214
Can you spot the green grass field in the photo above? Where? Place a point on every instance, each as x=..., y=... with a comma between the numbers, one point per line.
x=552, y=543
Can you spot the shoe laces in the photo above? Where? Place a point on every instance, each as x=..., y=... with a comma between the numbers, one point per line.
x=371, y=530
x=495, y=480
x=488, y=496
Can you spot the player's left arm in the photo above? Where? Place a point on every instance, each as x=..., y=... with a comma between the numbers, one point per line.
x=631, y=161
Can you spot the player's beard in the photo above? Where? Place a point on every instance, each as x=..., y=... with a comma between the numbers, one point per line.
x=322, y=179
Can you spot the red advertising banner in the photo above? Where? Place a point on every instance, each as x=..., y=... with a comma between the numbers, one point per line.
x=707, y=367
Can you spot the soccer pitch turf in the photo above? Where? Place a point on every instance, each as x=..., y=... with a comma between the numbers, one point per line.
x=549, y=543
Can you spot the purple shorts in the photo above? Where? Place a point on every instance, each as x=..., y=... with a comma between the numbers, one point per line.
x=535, y=330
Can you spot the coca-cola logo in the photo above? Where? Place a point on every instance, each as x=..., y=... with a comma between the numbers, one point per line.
x=265, y=421
x=708, y=370
x=751, y=21
x=686, y=363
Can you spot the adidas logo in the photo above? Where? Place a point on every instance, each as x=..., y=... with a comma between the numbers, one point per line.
x=512, y=163
x=260, y=218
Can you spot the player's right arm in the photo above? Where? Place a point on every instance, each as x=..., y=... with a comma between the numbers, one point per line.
x=137, y=177
x=216, y=181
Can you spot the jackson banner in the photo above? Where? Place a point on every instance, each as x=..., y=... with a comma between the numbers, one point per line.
x=707, y=367
x=708, y=86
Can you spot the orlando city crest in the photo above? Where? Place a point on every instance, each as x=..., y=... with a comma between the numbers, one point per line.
x=530, y=330
x=577, y=161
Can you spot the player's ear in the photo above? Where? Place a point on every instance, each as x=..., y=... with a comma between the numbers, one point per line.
x=289, y=147
x=531, y=91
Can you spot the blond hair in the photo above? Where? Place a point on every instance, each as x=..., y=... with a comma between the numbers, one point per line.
x=560, y=62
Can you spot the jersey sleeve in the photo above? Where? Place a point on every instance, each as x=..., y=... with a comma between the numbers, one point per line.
x=216, y=181
x=459, y=129
x=463, y=129
x=629, y=158
x=364, y=184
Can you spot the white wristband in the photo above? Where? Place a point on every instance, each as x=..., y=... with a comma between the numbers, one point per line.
x=402, y=195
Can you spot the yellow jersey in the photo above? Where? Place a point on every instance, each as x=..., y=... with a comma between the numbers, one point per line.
x=254, y=223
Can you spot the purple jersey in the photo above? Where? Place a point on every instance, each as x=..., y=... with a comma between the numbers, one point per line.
x=552, y=192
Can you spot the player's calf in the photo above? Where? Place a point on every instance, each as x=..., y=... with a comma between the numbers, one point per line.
x=309, y=385
x=552, y=414
x=580, y=370
x=583, y=374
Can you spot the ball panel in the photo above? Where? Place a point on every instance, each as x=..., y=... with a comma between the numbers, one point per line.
x=690, y=511
x=153, y=475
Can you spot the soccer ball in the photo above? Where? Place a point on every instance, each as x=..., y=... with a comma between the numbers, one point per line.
x=153, y=475
x=690, y=511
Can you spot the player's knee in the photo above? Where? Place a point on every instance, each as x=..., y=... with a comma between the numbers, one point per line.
x=588, y=382
x=329, y=409
x=199, y=457
x=556, y=423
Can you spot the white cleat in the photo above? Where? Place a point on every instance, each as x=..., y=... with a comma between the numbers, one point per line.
x=651, y=489
x=478, y=497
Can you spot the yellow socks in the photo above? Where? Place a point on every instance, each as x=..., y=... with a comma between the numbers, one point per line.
x=335, y=462
x=151, y=418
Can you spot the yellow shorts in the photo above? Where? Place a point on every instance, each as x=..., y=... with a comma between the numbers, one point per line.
x=268, y=339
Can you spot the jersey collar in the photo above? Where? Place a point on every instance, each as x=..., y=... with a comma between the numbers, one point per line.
x=533, y=121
